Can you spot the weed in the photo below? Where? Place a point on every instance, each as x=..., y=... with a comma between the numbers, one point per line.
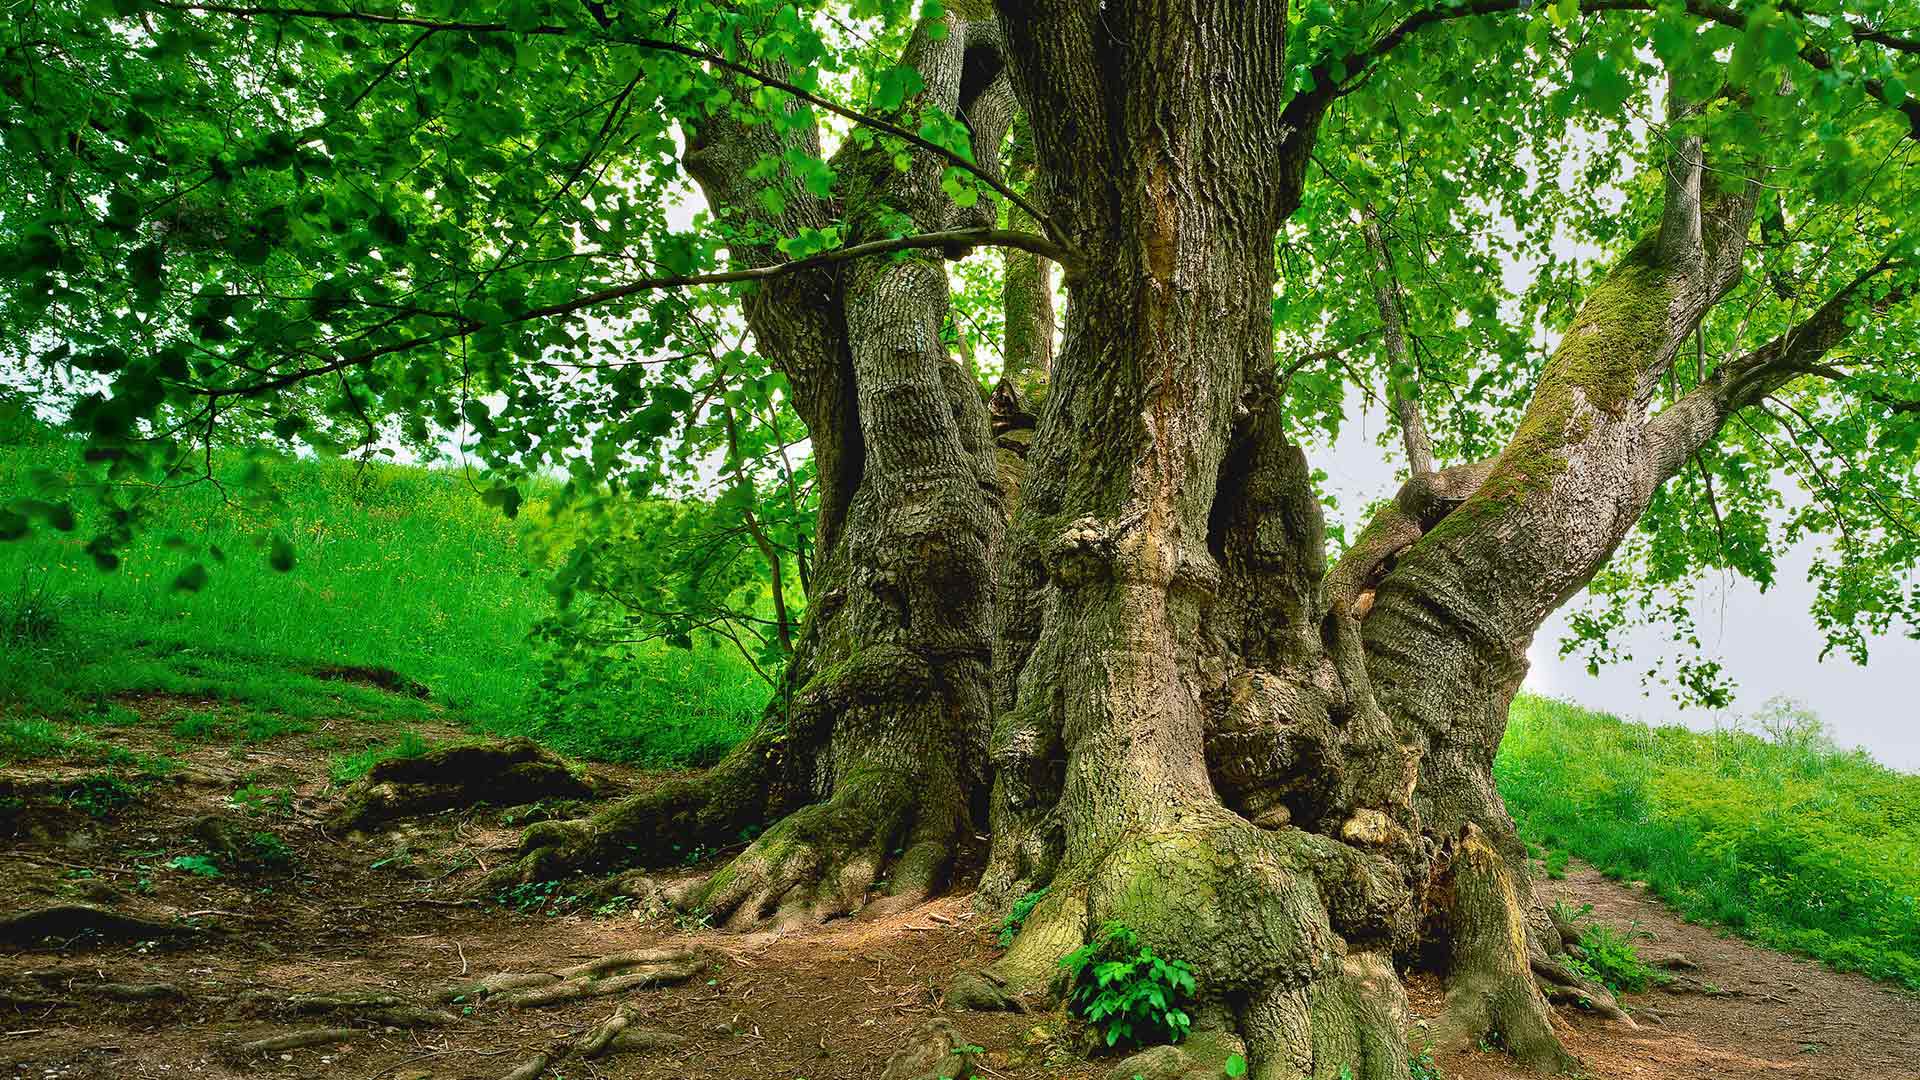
x=1421, y=1066
x=1125, y=991
x=101, y=795
x=1556, y=863
x=266, y=851
x=197, y=865
x=1017, y=915
x=1608, y=957
x=264, y=801
x=347, y=768
x=33, y=615
x=537, y=896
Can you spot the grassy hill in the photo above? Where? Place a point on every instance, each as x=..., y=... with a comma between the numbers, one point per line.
x=1787, y=841
x=1784, y=839
x=398, y=568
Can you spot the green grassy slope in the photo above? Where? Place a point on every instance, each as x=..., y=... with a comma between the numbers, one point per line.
x=400, y=568
x=1789, y=842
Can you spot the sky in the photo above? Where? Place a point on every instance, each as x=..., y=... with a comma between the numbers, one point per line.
x=1767, y=643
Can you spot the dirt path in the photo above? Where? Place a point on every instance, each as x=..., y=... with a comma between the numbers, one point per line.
x=387, y=919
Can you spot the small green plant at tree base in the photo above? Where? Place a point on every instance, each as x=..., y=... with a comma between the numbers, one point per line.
x=1017, y=915
x=1236, y=1066
x=197, y=865
x=1421, y=1066
x=1125, y=991
x=1607, y=956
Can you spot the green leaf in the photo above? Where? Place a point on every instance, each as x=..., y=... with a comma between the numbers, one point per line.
x=1236, y=1066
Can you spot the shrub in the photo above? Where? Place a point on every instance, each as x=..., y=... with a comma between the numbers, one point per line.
x=1608, y=957
x=1125, y=991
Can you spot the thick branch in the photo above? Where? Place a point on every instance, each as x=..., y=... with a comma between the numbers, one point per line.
x=1684, y=427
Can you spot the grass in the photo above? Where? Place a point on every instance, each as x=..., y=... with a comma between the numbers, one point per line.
x=1783, y=839
x=397, y=567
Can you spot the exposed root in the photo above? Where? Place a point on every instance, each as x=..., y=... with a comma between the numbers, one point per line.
x=517, y=770
x=595, y=978
x=136, y=991
x=822, y=860
x=65, y=922
x=296, y=1040
x=1491, y=993
x=653, y=828
x=981, y=991
x=529, y=1069
x=1289, y=934
x=616, y=1033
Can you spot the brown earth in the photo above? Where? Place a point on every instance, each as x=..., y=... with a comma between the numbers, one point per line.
x=390, y=915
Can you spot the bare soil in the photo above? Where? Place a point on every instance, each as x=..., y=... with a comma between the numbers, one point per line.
x=391, y=915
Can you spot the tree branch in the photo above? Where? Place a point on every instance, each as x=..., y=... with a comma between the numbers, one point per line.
x=1387, y=294
x=465, y=326
x=1818, y=58
x=1689, y=423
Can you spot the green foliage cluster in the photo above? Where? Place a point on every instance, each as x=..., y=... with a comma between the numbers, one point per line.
x=1778, y=835
x=1125, y=991
x=1016, y=916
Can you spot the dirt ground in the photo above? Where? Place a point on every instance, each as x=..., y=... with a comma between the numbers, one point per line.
x=389, y=920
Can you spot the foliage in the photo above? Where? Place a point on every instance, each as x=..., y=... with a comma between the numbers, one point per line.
x=197, y=865
x=260, y=801
x=1016, y=915
x=103, y=794
x=1608, y=957
x=1126, y=992
x=334, y=231
x=1792, y=843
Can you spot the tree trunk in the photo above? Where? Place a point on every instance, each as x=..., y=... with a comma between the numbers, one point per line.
x=1277, y=771
x=870, y=760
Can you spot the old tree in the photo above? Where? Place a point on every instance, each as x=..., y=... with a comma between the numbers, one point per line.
x=1059, y=289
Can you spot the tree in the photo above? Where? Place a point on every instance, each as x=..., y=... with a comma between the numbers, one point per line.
x=1097, y=610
